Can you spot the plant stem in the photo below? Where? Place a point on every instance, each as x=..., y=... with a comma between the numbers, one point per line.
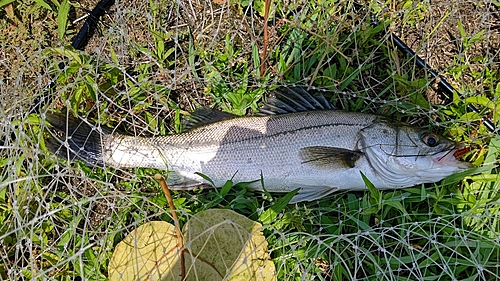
x=178, y=233
x=266, y=39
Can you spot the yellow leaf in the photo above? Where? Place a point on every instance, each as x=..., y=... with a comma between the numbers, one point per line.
x=218, y=245
x=147, y=253
x=233, y=244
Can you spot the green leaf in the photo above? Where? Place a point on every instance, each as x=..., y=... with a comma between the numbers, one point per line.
x=459, y=176
x=43, y=4
x=480, y=100
x=256, y=59
x=151, y=120
x=349, y=79
x=361, y=224
x=375, y=194
x=397, y=205
x=90, y=86
x=493, y=150
x=270, y=214
x=66, y=52
x=62, y=18
x=470, y=116
x=191, y=58
x=205, y=177
x=461, y=29
x=5, y=3
x=226, y=187
x=423, y=192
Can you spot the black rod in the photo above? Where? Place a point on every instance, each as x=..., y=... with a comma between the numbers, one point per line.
x=79, y=42
x=90, y=24
x=448, y=89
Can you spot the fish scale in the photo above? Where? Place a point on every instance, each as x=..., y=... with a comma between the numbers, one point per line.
x=263, y=139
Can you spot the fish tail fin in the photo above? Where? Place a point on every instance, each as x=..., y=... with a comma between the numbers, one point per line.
x=72, y=138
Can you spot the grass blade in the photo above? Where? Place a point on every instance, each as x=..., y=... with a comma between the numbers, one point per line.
x=5, y=3
x=62, y=18
x=43, y=4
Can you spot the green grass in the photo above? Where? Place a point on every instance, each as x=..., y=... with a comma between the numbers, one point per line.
x=62, y=220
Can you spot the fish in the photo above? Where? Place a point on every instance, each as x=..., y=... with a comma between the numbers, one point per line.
x=297, y=141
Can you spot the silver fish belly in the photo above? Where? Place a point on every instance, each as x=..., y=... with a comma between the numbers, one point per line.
x=317, y=151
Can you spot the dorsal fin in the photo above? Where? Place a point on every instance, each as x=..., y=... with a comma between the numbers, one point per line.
x=204, y=116
x=293, y=99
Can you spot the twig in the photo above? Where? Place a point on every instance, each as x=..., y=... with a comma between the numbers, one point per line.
x=178, y=233
x=266, y=39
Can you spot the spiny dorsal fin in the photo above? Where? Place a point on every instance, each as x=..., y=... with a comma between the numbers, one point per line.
x=329, y=157
x=293, y=99
x=204, y=116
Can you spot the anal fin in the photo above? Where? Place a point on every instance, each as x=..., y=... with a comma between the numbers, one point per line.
x=311, y=193
x=176, y=181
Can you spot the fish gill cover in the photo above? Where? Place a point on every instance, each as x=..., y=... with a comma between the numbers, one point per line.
x=150, y=63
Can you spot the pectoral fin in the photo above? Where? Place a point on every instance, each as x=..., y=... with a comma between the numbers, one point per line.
x=311, y=193
x=329, y=157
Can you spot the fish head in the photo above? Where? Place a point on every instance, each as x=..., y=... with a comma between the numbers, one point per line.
x=405, y=156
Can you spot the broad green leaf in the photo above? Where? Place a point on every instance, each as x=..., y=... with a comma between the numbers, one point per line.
x=67, y=53
x=480, y=100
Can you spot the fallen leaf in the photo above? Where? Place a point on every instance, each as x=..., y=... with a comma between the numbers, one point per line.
x=218, y=245
x=147, y=253
x=232, y=243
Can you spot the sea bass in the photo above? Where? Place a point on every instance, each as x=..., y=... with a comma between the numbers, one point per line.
x=300, y=142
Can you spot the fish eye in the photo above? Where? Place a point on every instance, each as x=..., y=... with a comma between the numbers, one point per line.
x=430, y=139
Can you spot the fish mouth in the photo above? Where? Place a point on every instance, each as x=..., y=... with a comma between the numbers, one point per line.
x=461, y=151
x=449, y=157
